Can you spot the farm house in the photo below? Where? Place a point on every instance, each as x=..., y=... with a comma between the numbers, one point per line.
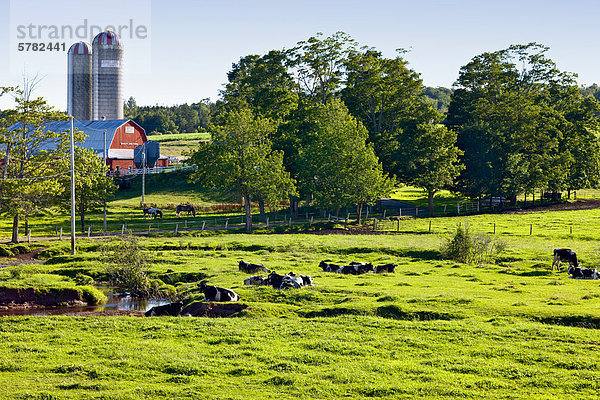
x=125, y=141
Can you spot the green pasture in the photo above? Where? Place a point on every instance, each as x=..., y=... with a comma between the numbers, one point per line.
x=434, y=329
x=180, y=137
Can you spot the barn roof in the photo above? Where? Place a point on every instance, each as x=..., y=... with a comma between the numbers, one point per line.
x=94, y=130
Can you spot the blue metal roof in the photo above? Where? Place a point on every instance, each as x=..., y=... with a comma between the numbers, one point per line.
x=94, y=130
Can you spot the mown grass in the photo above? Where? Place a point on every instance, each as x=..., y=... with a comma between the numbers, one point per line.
x=181, y=137
x=434, y=329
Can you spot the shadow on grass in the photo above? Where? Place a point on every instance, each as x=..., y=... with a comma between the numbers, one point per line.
x=389, y=311
x=579, y=321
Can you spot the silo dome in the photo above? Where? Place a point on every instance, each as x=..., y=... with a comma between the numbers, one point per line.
x=107, y=37
x=107, y=76
x=80, y=48
x=79, y=81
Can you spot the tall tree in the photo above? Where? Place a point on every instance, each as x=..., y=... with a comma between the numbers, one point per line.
x=319, y=64
x=515, y=114
x=336, y=164
x=240, y=155
x=29, y=152
x=263, y=84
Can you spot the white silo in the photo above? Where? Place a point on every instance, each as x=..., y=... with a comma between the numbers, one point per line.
x=107, y=76
x=79, y=81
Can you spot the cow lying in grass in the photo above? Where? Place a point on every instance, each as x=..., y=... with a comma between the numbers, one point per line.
x=213, y=293
x=250, y=268
x=564, y=255
x=354, y=268
x=385, y=268
x=287, y=281
x=357, y=268
x=583, y=273
x=172, y=309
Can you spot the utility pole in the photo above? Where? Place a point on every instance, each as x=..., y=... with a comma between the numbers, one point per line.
x=143, y=173
x=105, y=156
x=72, y=188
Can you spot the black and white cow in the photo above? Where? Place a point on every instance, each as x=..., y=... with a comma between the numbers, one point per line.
x=213, y=293
x=361, y=267
x=256, y=281
x=385, y=268
x=289, y=280
x=250, y=268
x=564, y=255
x=354, y=268
x=329, y=267
x=172, y=309
x=583, y=273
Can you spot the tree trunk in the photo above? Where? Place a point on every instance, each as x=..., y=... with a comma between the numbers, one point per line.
x=261, y=206
x=359, y=212
x=337, y=212
x=15, y=230
x=248, y=213
x=26, y=225
x=430, y=194
x=293, y=206
x=82, y=217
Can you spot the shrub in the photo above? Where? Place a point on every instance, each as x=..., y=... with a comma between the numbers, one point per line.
x=126, y=265
x=470, y=248
x=54, y=251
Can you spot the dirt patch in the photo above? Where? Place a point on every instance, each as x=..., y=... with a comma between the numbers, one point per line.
x=24, y=298
x=570, y=206
x=27, y=258
x=213, y=310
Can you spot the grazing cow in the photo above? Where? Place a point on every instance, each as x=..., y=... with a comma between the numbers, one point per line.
x=566, y=255
x=583, y=273
x=380, y=269
x=256, y=281
x=361, y=267
x=213, y=293
x=152, y=212
x=172, y=309
x=252, y=268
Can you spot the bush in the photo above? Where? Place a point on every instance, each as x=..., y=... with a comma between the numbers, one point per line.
x=470, y=248
x=126, y=266
x=54, y=251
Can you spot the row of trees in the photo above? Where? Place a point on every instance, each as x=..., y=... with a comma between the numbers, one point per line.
x=345, y=123
x=194, y=117
x=34, y=162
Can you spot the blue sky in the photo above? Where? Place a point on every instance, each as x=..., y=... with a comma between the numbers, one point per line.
x=191, y=44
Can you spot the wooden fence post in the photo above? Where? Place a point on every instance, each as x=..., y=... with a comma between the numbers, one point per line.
x=149, y=225
x=267, y=222
x=494, y=228
x=290, y=222
x=384, y=212
x=60, y=236
x=398, y=228
x=571, y=229
x=176, y=229
x=458, y=208
x=429, y=226
x=29, y=236
x=445, y=205
x=530, y=229
x=226, y=223
x=185, y=222
x=367, y=217
x=203, y=223
x=122, y=229
x=329, y=217
x=416, y=211
x=311, y=221
x=89, y=230
x=374, y=224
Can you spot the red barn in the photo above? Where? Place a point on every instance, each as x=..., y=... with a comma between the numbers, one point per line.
x=119, y=137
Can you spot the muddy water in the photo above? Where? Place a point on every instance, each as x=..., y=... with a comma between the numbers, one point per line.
x=115, y=301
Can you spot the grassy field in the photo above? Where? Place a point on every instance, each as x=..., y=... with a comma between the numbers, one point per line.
x=434, y=329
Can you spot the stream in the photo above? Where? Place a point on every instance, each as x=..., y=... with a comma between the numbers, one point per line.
x=115, y=301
